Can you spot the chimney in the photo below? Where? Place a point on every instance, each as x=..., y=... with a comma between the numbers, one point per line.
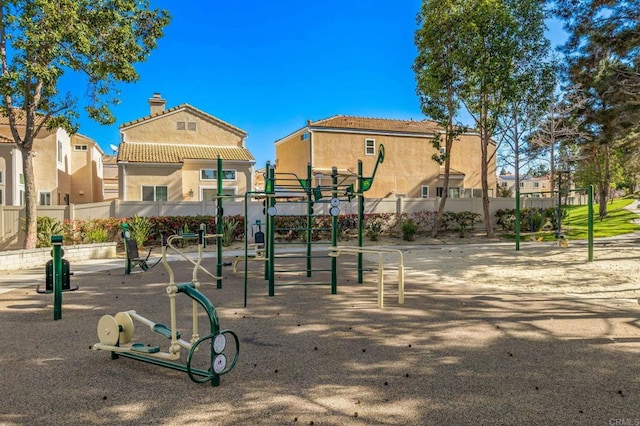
x=156, y=103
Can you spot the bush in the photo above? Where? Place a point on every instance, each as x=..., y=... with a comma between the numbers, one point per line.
x=47, y=227
x=409, y=229
x=140, y=228
x=229, y=226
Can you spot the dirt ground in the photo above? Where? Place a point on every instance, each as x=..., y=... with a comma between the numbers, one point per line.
x=486, y=335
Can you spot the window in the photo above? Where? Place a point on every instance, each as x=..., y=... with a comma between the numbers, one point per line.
x=44, y=198
x=521, y=184
x=536, y=184
x=1, y=197
x=443, y=151
x=370, y=146
x=211, y=194
x=476, y=192
x=453, y=192
x=180, y=125
x=425, y=191
x=23, y=199
x=21, y=178
x=212, y=174
x=154, y=193
x=503, y=184
x=191, y=126
x=59, y=152
x=80, y=147
x=1, y=176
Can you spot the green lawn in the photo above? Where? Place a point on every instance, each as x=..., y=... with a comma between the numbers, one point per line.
x=574, y=225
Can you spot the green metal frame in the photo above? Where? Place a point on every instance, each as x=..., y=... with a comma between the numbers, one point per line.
x=589, y=190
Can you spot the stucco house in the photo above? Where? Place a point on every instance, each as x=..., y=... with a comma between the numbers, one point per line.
x=171, y=155
x=533, y=186
x=408, y=169
x=52, y=165
x=86, y=170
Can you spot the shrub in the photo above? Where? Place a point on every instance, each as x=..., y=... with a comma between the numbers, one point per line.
x=373, y=230
x=409, y=229
x=46, y=227
x=140, y=228
x=97, y=235
x=229, y=226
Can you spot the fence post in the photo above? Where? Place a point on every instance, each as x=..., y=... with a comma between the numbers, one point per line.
x=399, y=206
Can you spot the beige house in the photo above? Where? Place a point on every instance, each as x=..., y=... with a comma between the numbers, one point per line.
x=109, y=177
x=408, y=169
x=86, y=170
x=171, y=155
x=52, y=164
x=533, y=186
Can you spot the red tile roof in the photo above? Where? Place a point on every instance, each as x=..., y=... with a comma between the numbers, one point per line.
x=380, y=124
x=175, y=154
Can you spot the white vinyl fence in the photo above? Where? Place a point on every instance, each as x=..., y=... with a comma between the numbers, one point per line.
x=12, y=217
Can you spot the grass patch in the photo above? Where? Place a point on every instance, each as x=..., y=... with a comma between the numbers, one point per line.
x=619, y=221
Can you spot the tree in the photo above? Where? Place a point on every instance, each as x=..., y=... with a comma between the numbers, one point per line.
x=603, y=55
x=438, y=79
x=41, y=40
x=497, y=37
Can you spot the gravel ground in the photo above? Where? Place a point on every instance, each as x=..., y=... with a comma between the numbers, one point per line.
x=485, y=336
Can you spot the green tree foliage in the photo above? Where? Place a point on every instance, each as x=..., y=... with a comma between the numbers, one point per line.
x=603, y=58
x=438, y=80
x=487, y=43
x=42, y=40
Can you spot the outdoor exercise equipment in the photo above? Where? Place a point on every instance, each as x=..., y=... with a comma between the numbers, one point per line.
x=57, y=280
x=132, y=256
x=116, y=332
x=380, y=251
x=559, y=235
x=50, y=275
x=288, y=188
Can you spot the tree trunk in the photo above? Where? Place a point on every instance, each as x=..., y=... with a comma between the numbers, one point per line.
x=484, y=141
x=443, y=200
x=31, y=212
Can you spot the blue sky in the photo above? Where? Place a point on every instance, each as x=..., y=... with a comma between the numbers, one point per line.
x=267, y=67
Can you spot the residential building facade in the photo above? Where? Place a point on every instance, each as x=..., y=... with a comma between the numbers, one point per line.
x=171, y=155
x=86, y=170
x=51, y=161
x=408, y=169
x=532, y=186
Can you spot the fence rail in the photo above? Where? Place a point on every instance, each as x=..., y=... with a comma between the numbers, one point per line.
x=12, y=217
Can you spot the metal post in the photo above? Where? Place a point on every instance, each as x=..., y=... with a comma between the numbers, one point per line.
x=334, y=232
x=590, y=221
x=56, y=242
x=270, y=189
x=220, y=214
x=309, y=232
x=517, y=224
x=360, y=219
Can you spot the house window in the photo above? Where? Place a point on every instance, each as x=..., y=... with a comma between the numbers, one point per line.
x=443, y=151
x=477, y=192
x=370, y=146
x=1, y=196
x=44, y=198
x=425, y=191
x=154, y=193
x=212, y=174
x=536, y=184
x=21, y=178
x=453, y=192
x=23, y=199
x=211, y=194
x=59, y=152
x=80, y=147
x=191, y=126
x=180, y=125
x=521, y=184
x=503, y=184
x=1, y=176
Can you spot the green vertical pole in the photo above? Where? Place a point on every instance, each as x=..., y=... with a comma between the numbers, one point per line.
x=308, y=231
x=220, y=214
x=517, y=224
x=127, y=256
x=334, y=232
x=246, y=246
x=270, y=225
x=56, y=242
x=590, y=222
x=360, y=219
